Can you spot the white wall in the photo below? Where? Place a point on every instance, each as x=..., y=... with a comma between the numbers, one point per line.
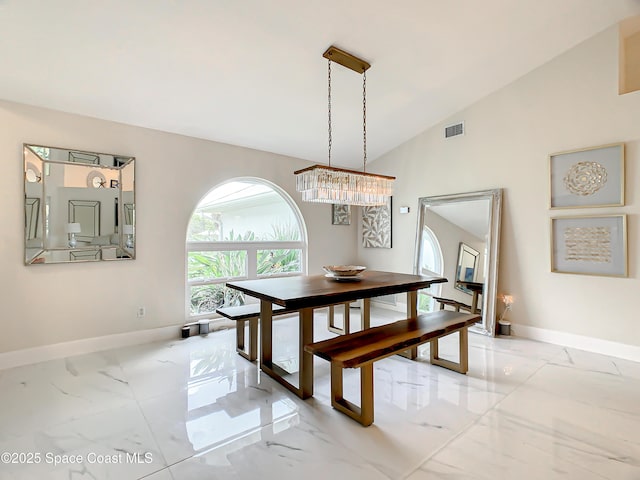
x=569, y=103
x=47, y=304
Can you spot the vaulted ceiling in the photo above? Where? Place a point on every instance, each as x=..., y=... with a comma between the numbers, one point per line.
x=251, y=72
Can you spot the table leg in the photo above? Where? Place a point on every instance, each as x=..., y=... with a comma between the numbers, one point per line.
x=266, y=345
x=366, y=313
x=305, y=374
x=412, y=304
x=331, y=326
x=306, y=359
x=412, y=312
x=346, y=319
x=474, y=302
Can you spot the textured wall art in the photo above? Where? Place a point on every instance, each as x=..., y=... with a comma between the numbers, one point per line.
x=585, y=178
x=376, y=226
x=590, y=177
x=340, y=214
x=589, y=245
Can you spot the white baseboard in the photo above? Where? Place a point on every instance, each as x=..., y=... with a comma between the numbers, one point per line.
x=28, y=356
x=590, y=344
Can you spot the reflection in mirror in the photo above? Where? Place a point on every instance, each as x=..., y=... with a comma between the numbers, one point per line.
x=32, y=173
x=467, y=269
x=128, y=213
x=86, y=213
x=32, y=214
x=84, y=157
x=87, y=255
x=458, y=237
x=69, y=199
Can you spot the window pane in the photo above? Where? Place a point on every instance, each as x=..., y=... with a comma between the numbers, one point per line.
x=209, y=265
x=205, y=226
x=271, y=262
x=243, y=212
x=425, y=301
x=206, y=298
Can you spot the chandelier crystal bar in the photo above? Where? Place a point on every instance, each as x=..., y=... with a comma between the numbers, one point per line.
x=325, y=184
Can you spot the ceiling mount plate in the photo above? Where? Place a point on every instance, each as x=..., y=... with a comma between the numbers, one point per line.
x=346, y=59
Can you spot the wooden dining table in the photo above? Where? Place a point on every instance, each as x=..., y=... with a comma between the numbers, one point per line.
x=308, y=292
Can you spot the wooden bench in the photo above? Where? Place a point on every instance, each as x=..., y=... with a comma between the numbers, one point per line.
x=248, y=313
x=452, y=303
x=361, y=349
x=251, y=313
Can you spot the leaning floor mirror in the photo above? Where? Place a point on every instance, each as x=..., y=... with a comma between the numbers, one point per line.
x=79, y=206
x=458, y=237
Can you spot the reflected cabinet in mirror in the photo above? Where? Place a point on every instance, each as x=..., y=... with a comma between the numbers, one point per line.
x=79, y=206
x=458, y=237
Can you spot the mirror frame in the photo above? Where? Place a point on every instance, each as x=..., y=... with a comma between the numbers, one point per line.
x=91, y=161
x=489, y=294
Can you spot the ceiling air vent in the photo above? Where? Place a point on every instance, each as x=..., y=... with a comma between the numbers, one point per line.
x=454, y=130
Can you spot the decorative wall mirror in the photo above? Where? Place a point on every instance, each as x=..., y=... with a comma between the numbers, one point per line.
x=458, y=237
x=69, y=205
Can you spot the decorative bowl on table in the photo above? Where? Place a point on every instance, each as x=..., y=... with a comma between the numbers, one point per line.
x=344, y=272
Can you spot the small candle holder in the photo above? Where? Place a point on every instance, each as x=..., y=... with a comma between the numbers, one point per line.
x=504, y=326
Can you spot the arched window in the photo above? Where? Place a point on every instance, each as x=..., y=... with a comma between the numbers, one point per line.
x=245, y=228
x=432, y=263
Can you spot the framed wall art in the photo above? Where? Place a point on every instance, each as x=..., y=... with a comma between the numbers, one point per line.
x=340, y=214
x=376, y=226
x=589, y=177
x=589, y=245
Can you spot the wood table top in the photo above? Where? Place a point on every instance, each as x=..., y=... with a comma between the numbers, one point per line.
x=317, y=290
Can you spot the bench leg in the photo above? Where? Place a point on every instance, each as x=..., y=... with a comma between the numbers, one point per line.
x=251, y=353
x=364, y=413
x=332, y=327
x=463, y=365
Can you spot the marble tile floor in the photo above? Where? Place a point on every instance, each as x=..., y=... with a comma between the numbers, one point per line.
x=194, y=409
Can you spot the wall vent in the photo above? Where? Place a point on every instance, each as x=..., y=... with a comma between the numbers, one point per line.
x=454, y=130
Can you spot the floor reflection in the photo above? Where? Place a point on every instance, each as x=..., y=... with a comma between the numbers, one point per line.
x=221, y=406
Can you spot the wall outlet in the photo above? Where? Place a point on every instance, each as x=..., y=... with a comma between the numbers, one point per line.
x=141, y=312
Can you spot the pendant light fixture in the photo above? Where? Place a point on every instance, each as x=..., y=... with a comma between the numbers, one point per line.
x=327, y=184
